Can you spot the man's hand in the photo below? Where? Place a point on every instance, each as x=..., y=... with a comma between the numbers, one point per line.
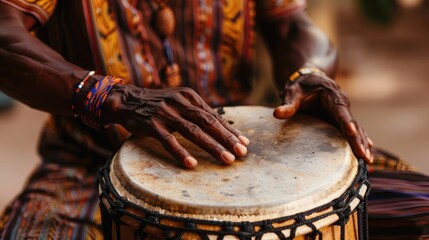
x=318, y=95
x=160, y=112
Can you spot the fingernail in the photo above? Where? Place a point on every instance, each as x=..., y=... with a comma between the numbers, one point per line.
x=368, y=154
x=227, y=157
x=362, y=149
x=244, y=140
x=370, y=141
x=240, y=149
x=353, y=127
x=280, y=112
x=190, y=161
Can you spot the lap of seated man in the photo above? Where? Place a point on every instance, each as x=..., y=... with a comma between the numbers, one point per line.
x=140, y=62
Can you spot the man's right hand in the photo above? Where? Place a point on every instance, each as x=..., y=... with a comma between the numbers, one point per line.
x=160, y=112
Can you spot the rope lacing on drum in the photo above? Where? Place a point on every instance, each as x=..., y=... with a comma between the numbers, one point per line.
x=241, y=230
x=247, y=227
x=304, y=221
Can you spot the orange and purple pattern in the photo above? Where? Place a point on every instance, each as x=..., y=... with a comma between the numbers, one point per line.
x=274, y=9
x=96, y=97
x=213, y=43
x=40, y=9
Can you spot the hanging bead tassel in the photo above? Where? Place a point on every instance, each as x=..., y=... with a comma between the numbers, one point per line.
x=171, y=71
x=165, y=24
x=164, y=21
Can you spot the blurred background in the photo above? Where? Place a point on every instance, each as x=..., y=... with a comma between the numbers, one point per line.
x=384, y=68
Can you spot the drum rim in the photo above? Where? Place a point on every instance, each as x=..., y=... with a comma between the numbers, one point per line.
x=341, y=211
x=128, y=187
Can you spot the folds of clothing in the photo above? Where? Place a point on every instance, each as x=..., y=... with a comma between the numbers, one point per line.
x=57, y=203
x=398, y=206
x=213, y=46
x=61, y=202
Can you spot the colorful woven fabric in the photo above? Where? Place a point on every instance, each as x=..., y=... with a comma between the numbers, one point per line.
x=274, y=9
x=40, y=9
x=398, y=206
x=92, y=107
x=58, y=203
x=61, y=202
x=212, y=45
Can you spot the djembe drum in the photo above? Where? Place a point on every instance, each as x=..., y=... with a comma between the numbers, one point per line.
x=299, y=180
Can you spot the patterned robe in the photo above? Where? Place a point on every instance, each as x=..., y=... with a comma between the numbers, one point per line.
x=212, y=44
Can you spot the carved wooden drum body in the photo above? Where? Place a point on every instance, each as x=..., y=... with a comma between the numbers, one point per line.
x=299, y=180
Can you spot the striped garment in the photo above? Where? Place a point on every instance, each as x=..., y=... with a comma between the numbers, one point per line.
x=61, y=202
x=212, y=44
x=398, y=207
x=58, y=203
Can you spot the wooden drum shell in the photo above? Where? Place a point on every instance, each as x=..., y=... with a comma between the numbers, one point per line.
x=132, y=208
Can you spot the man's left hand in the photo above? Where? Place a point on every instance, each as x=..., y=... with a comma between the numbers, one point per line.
x=318, y=95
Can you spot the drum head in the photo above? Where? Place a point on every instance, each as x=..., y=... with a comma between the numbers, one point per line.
x=292, y=166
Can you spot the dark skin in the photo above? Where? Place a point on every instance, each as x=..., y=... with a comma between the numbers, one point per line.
x=296, y=42
x=41, y=78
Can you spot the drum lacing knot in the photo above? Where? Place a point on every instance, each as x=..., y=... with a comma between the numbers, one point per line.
x=152, y=219
x=344, y=215
x=316, y=234
x=300, y=218
x=116, y=215
x=266, y=226
x=116, y=206
x=247, y=227
x=101, y=170
x=340, y=204
x=228, y=227
x=191, y=225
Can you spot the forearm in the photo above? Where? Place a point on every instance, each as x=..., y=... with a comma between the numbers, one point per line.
x=296, y=42
x=30, y=71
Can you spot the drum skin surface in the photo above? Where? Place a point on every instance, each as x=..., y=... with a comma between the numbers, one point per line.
x=292, y=166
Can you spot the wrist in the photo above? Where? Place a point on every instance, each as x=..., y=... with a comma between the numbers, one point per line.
x=113, y=106
x=81, y=90
x=305, y=71
x=92, y=105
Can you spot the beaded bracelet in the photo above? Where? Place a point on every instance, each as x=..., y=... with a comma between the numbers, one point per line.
x=94, y=100
x=304, y=71
x=78, y=89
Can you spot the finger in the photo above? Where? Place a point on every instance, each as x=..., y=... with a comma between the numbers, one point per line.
x=291, y=102
x=368, y=154
x=346, y=123
x=356, y=140
x=194, y=133
x=211, y=125
x=351, y=133
x=172, y=146
x=243, y=139
x=197, y=101
x=370, y=142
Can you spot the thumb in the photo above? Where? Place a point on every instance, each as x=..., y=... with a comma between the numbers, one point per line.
x=290, y=105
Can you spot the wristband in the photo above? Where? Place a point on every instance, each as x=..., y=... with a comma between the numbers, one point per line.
x=304, y=71
x=78, y=89
x=94, y=100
